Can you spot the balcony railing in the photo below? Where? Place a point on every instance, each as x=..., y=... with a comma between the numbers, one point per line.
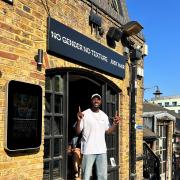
x=151, y=164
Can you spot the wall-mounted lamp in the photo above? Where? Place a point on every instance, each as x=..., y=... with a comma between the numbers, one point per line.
x=131, y=28
x=40, y=57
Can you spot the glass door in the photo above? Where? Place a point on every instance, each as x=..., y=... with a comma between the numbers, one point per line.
x=112, y=140
x=54, y=139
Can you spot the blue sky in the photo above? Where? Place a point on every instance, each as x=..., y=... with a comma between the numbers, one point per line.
x=161, y=22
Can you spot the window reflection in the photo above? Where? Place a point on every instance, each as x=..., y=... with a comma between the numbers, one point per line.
x=47, y=125
x=56, y=168
x=56, y=147
x=46, y=148
x=58, y=104
x=48, y=103
x=46, y=171
x=58, y=84
x=57, y=126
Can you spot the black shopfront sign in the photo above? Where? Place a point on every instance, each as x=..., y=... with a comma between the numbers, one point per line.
x=24, y=116
x=69, y=43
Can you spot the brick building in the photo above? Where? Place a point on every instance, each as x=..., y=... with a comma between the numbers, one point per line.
x=53, y=55
x=161, y=122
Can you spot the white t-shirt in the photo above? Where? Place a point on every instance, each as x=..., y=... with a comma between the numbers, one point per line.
x=93, y=126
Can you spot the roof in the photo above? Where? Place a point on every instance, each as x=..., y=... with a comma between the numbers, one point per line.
x=150, y=107
x=149, y=135
x=154, y=109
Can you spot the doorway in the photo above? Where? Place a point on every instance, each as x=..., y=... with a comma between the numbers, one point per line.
x=80, y=91
x=66, y=90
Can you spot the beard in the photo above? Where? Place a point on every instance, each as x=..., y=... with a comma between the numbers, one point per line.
x=96, y=105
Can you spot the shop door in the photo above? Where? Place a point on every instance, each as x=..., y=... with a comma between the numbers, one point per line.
x=55, y=134
x=64, y=94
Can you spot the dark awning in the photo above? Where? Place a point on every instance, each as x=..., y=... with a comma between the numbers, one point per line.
x=149, y=135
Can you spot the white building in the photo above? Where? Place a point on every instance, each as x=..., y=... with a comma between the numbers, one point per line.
x=169, y=102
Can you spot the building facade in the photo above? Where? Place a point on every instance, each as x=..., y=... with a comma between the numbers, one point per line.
x=169, y=102
x=53, y=56
x=176, y=150
x=161, y=122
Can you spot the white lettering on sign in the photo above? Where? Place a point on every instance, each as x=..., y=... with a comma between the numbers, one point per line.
x=115, y=63
x=56, y=36
x=80, y=47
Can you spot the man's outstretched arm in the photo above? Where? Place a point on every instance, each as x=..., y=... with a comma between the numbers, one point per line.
x=116, y=121
x=78, y=122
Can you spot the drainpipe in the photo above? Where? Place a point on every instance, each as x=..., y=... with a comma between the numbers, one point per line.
x=133, y=120
x=135, y=56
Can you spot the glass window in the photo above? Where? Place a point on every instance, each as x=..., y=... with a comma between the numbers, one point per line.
x=116, y=6
x=58, y=104
x=148, y=122
x=46, y=148
x=166, y=104
x=58, y=83
x=48, y=126
x=46, y=174
x=174, y=103
x=164, y=131
x=48, y=100
x=58, y=126
x=57, y=169
x=24, y=121
x=57, y=146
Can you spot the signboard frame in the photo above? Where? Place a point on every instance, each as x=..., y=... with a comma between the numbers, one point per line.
x=78, y=48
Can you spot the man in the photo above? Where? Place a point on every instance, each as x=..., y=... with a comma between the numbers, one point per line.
x=94, y=123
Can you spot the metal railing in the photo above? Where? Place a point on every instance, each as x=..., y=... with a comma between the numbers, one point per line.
x=151, y=164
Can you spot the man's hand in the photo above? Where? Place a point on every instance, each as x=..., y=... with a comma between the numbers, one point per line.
x=117, y=119
x=79, y=117
x=79, y=114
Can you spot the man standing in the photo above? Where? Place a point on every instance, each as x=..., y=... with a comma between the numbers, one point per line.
x=94, y=123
